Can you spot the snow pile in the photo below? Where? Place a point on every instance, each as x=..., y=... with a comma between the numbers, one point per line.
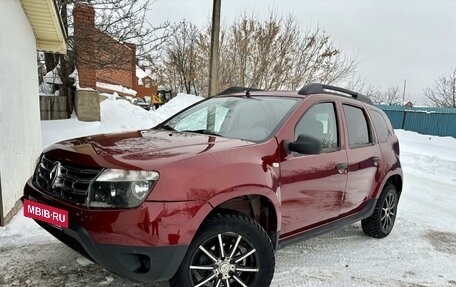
x=441, y=147
x=123, y=115
x=176, y=104
x=439, y=156
x=116, y=115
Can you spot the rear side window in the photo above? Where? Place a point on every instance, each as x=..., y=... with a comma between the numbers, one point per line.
x=380, y=126
x=358, y=127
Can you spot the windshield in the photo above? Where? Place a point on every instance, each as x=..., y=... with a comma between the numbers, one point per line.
x=247, y=118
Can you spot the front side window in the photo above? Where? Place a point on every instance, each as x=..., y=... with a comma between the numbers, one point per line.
x=358, y=129
x=247, y=118
x=320, y=122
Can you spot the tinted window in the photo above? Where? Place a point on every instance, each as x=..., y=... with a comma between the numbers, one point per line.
x=320, y=122
x=380, y=126
x=358, y=129
x=248, y=118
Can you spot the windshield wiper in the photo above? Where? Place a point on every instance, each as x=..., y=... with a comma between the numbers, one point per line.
x=204, y=132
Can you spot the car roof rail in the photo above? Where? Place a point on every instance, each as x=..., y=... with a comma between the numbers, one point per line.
x=238, y=89
x=316, y=88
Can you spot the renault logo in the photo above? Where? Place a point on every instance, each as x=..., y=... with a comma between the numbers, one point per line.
x=54, y=173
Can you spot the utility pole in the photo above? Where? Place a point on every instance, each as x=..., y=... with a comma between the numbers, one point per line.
x=403, y=92
x=214, y=59
x=454, y=89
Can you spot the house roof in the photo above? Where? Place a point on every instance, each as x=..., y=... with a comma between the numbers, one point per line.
x=47, y=25
x=52, y=77
x=140, y=73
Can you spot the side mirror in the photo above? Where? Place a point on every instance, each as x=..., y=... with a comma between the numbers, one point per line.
x=303, y=145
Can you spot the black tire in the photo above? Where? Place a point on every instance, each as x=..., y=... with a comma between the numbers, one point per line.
x=381, y=222
x=240, y=235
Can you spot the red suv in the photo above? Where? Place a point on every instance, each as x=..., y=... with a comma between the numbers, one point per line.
x=206, y=197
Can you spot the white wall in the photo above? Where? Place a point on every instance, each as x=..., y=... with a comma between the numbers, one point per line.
x=20, y=130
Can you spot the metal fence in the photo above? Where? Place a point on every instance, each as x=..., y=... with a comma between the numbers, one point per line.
x=53, y=107
x=425, y=120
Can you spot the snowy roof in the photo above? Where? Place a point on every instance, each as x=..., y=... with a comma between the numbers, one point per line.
x=140, y=73
x=52, y=77
x=74, y=75
x=116, y=88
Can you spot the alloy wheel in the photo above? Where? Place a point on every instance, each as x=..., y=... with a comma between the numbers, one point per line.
x=226, y=259
x=388, y=212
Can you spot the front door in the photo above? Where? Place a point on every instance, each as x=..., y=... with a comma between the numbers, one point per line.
x=312, y=186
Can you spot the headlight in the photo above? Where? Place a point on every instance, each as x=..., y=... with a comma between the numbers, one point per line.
x=117, y=188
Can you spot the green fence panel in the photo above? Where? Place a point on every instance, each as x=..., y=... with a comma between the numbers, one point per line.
x=424, y=120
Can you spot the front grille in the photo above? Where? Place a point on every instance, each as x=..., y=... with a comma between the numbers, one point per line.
x=64, y=181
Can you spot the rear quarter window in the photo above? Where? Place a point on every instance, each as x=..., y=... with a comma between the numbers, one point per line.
x=381, y=126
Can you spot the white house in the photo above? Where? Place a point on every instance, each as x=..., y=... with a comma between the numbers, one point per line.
x=25, y=27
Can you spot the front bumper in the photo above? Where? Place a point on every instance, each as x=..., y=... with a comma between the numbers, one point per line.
x=135, y=263
x=144, y=244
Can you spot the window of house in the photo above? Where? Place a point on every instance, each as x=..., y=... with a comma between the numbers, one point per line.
x=147, y=83
x=358, y=128
x=320, y=122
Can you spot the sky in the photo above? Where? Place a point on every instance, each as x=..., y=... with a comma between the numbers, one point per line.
x=394, y=40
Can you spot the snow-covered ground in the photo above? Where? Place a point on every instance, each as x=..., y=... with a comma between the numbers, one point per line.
x=421, y=250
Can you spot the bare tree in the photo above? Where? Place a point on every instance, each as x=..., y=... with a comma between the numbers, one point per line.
x=270, y=54
x=182, y=58
x=355, y=83
x=390, y=96
x=443, y=93
x=276, y=54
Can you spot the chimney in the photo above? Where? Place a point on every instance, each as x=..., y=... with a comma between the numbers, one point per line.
x=85, y=44
x=134, y=81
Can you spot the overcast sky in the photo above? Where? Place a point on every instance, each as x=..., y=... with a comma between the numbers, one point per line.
x=394, y=39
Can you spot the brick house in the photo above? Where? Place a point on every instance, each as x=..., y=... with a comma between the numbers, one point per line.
x=144, y=85
x=104, y=64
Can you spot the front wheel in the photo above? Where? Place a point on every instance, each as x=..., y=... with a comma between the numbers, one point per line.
x=381, y=222
x=228, y=250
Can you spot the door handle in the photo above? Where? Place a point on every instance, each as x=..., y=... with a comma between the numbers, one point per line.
x=341, y=168
x=376, y=161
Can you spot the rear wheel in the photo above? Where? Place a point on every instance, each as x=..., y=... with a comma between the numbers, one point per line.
x=381, y=222
x=229, y=250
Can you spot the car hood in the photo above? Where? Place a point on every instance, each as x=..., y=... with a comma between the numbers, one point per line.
x=146, y=149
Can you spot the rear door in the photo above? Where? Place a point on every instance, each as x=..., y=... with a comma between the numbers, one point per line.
x=312, y=186
x=387, y=140
x=364, y=158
